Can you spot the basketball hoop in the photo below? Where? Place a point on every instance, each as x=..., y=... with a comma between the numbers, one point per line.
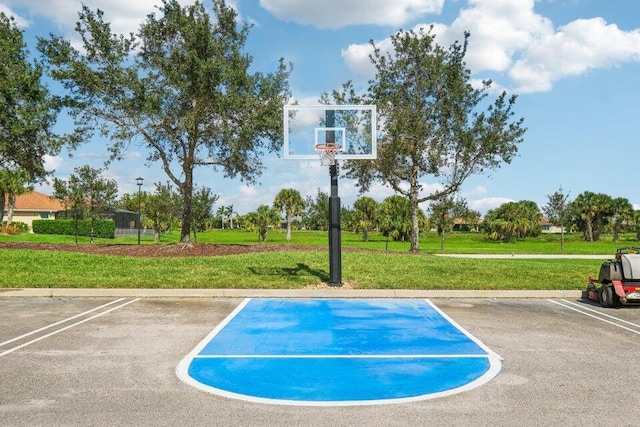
x=327, y=152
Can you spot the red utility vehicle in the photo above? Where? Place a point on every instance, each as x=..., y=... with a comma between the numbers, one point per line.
x=618, y=282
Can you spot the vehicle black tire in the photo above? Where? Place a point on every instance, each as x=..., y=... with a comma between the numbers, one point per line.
x=608, y=297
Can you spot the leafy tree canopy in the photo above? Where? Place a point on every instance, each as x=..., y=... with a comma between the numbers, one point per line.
x=87, y=194
x=181, y=87
x=591, y=212
x=513, y=220
x=291, y=203
x=557, y=211
x=434, y=122
x=27, y=113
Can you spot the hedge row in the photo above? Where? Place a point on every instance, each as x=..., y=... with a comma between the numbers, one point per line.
x=101, y=228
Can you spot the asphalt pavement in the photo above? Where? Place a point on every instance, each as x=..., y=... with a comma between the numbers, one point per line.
x=111, y=360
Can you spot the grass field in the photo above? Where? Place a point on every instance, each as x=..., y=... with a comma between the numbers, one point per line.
x=378, y=268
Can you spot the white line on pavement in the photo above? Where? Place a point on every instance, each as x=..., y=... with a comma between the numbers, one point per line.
x=11, y=350
x=602, y=314
x=595, y=317
x=58, y=323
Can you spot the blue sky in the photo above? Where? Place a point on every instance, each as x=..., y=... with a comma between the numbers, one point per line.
x=575, y=65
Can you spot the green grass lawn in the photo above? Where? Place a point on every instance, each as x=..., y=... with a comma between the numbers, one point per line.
x=378, y=268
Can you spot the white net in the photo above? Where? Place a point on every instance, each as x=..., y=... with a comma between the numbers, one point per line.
x=327, y=153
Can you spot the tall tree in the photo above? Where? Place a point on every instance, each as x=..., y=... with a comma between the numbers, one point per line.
x=28, y=112
x=395, y=218
x=316, y=215
x=291, y=203
x=262, y=220
x=557, y=211
x=228, y=212
x=623, y=212
x=445, y=211
x=636, y=223
x=366, y=207
x=162, y=208
x=591, y=212
x=182, y=88
x=203, y=202
x=513, y=220
x=13, y=183
x=88, y=192
x=221, y=212
x=435, y=122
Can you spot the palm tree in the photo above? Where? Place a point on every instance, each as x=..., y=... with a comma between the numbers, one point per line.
x=366, y=208
x=290, y=201
x=263, y=219
x=13, y=183
x=395, y=218
x=622, y=212
x=228, y=211
x=591, y=212
x=221, y=212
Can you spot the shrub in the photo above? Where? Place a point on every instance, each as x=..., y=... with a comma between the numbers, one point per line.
x=14, y=229
x=101, y=228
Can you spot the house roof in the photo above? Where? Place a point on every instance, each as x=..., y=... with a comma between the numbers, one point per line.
x=35, y=201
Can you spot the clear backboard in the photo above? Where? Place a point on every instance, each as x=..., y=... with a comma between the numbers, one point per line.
x=309, y=127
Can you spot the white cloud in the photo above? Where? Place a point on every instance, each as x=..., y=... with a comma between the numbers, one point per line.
x=574, y=49
x=20, y=21
x=509, y=37
x=475, y=191
x=340, y=13
x=488, y=203
x=51, y=163
x=125, y=16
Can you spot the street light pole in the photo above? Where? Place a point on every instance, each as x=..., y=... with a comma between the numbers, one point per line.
x=139, y=181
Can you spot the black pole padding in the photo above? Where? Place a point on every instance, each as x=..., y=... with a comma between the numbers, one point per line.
x=335, y=251
x=335, y=244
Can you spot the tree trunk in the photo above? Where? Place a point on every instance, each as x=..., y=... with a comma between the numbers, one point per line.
x=589, y=230
x=562, y=238
x=442, y=240
x=415, y=229
x=288, y=229
x=2, y=200
x=187, y=208
x=156, y=233
x=365, y=234
x=11, y=208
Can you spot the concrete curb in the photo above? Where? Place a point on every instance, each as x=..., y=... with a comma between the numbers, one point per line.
x=283, y=293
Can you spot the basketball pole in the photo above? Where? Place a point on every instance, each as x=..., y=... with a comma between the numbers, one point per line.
x=335, y=245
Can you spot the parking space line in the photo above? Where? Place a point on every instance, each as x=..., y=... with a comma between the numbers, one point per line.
x=582, y=310
x=11, y=350
x=602, y=314
x=2, y=344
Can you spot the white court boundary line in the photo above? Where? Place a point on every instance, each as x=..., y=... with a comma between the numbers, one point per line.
x=495, y=366
x=11, y=350
x=341, y=356
x=2, y=344
x=584, y=311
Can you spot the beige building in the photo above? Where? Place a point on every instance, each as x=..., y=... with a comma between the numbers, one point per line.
x=33, y=206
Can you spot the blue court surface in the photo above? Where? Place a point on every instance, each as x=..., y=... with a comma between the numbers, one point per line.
x=338, y=352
